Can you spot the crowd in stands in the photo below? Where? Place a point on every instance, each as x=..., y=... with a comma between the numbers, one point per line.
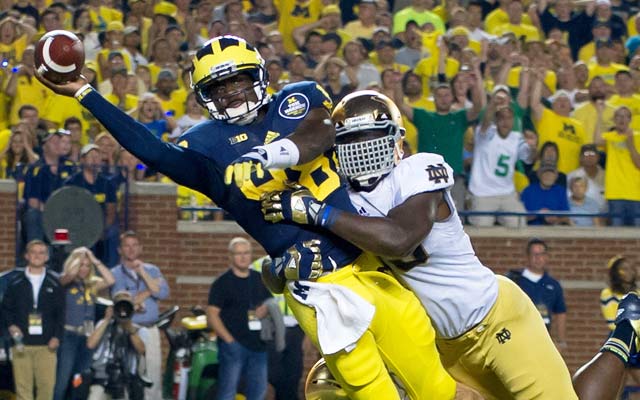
x=534, y=103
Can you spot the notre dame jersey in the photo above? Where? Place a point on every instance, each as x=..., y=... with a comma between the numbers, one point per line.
x=203, y=153
x=452, y=284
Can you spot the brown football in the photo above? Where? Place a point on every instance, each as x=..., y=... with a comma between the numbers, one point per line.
x=59, y=56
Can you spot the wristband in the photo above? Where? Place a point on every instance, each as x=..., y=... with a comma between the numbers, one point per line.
x=83, y=91
x=281, y=154
x=329, y=216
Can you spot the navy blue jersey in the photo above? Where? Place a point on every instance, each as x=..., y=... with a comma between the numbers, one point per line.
x=40, y=181
x=203, y=153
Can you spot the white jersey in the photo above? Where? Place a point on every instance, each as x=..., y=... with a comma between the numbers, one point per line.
x=494, y=161
x=452, y=284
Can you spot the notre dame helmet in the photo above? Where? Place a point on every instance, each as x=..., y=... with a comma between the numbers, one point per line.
x=364, y=161
x=223, y=57
x=321, y=385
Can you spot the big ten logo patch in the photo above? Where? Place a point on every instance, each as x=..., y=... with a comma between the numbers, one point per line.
x=294, y=106
x=238, y=138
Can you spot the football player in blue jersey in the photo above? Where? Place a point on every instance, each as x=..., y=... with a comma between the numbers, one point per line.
x=254, y=144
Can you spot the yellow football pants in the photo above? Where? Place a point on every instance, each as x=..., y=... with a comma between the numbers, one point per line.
x=510, y=354
x=399, y=338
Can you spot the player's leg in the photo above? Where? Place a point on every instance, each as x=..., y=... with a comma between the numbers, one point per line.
x=406, y=339
x=603, y=376
x=509, y=355
x=361, y=372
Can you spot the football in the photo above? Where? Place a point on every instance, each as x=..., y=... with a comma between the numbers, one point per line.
x=59, y=56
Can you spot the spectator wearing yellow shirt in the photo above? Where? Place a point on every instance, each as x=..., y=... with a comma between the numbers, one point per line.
x=295, y=13
x=604, y=65
x=622, y=169
x=418, y=12
x=431, y=67
x=500, y=16
x=626, y=96
x=516, y=24
x=601, y=32
x=365, y=24
x=329, y=22
x=15, y=35
x=386, y=56
x=586, y=112
x=111, y=47
x=171, y=101
x=556, y=126
x=23, y=87
x=119, y=96
x=82, y=25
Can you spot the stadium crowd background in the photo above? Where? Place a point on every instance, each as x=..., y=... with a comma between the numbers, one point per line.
x=563, y=68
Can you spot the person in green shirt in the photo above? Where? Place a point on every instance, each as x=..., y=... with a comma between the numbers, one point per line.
x=442, y=131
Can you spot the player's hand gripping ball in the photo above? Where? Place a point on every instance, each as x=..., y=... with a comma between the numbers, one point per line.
x=59, y=56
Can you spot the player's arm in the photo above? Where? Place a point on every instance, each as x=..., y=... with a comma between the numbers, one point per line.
x=394, y=236
x=314, y=135
x=185, y=167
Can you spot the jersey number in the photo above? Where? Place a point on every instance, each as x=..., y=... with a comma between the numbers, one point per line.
x=503, y=167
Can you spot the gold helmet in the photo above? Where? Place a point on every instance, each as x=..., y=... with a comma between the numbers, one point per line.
x=321, y=385
x=365, y=159
x=223, y=57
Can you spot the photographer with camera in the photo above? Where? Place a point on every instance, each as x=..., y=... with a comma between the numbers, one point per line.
x=118, y=350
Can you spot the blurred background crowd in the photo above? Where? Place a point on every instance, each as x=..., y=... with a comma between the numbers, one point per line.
x=534, y=103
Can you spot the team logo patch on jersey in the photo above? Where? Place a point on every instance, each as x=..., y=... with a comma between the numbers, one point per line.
x=503, y=336
x=238, y=138
x=294, y=106
x=438, y=173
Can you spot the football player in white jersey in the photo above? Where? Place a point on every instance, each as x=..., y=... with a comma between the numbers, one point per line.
x=490, y=335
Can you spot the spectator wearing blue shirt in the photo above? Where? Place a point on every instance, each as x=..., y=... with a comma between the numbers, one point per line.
x=545, y=292
x=546, y=195
x=147, y=286
x=103, y=189
x=43, y=178
x=579, y=202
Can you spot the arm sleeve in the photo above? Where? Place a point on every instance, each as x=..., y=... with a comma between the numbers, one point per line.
x=559, y=307
x=9, y=307
x=427, y=172
x=216, y=294
x=184, y=166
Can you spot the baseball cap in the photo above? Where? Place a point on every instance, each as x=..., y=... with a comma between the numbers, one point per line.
x=603, y=3
x=115, y=26
x=330, y=9
x=459, y=31
x=165, y=8
x=558, y=94
x=384, y=43
x=130, y=29
x=166, y=74
x=588, y=148
x=52, y=132
x=501, y=88
x=87, y=148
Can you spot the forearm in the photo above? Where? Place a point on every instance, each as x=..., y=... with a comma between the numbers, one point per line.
x=478, y=100
x=217, y=325
x=380, y=236
x=561, y=327
x=313, y=136
x=136, y=342
x=94, y=339
x=152, y=284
